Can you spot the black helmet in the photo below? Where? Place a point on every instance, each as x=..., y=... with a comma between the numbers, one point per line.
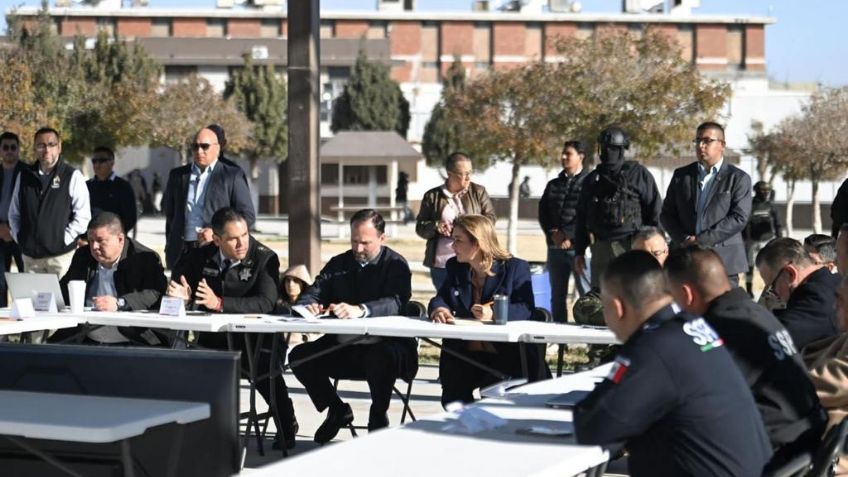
x=614, y=136
x=762, y=187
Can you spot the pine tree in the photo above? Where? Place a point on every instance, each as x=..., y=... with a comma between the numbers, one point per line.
x=371, y=101
x=441, y=135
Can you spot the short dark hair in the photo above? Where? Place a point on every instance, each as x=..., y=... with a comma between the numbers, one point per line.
x=576, y=145
x=105, y=149
x=222, y=217
x=822, y=244
x=647, y=232
x=45, y=130
x=219, y=133
x=453, y=158
x=107, y=219
x=10, y=136
x=369, y=215
x=782, y=251
x=636, y=277
x=695, y=265
x=711, y=125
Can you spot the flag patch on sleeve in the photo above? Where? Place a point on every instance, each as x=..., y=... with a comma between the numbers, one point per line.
x=619, y=369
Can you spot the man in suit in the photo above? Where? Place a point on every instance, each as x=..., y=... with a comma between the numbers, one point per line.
x=807, y=289
x=10, y=153
x=237, y=274
x=109, y=192
x=708, y=202
x=196, y=191
x=120, y=275
x=368, y=280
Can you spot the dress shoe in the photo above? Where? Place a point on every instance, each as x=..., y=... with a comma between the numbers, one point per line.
x=378, y=421
x=336, y=419
x=288, y=436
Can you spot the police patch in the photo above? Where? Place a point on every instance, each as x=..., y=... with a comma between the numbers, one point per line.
x=619, y=369
x=702, y=334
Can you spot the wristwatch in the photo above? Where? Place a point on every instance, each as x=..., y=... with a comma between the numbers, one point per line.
x=122, y=304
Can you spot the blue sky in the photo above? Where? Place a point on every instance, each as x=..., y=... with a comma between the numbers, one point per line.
x=805, y=45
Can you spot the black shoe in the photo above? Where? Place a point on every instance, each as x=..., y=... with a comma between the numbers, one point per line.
x=378, y=421
x=289, y=436
x=336, y=419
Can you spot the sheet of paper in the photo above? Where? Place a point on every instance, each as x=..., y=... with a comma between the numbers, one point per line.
x=172, y=306
x=22, y=308
x=45, y=301
x=304, y=312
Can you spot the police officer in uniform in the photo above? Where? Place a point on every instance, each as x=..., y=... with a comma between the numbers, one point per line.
x=237, y=274
x=763, y=225
x=673, y=396
x=760, y=346
x=617, y=199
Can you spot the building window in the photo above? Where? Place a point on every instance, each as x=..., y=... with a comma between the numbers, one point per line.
x=735, y=46
x=215, y=28
x=161, y=27
x=107, y=25
x=329, y=174
x=376, y=29
x=270, y=28
x=337, y=77
x=176, y=73
x=328, y=28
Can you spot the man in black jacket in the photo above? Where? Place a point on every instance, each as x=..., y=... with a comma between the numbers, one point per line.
x=237, y=274
x=120, y=275
x=617, y=199
x=368, y=280
x=196, y=191
x=557, y=217
x=807, y=289
x=673, y=395
x=108, y=191
x=10, y=152
x=708, y=202
x=761, y=347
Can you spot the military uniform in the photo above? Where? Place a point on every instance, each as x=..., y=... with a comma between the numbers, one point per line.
x=248, y=286
x=678, y=402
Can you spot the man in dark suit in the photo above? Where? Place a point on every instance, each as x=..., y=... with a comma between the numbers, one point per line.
x=368, y=280
x=708, y=202
x=120, y=275
x=237, y=274
x=10, y=152
x=807, y=289
x=108, y=191
x=196, y=191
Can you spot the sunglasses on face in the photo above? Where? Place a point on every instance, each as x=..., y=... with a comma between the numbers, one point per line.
x=10, y=147
x=201, y=145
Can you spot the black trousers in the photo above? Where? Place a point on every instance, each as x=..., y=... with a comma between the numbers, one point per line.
x=9, y=250
x=460, y=378
x=380, y=364
x=262, y=366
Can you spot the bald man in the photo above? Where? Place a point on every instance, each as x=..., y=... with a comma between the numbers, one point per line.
x=196, y=191
x=760, y=346
x=673, y=396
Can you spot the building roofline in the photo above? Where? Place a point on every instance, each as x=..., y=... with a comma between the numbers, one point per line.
x=404, y=16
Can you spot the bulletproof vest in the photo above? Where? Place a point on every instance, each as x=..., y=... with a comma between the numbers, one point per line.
x=760, y=224
x=614, y=203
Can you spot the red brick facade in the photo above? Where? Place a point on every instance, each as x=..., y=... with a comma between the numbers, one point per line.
x=188, y=27
x=133, y=27
x=78, y=26
x=351, y=28
x=711, y=47
x=755, y=48
x=244, y=28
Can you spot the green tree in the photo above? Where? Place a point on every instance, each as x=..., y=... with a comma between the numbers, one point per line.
x=371, y=101
x=441, y=135
x=261, y=95
x=787, y=158
x=185, y=107
x=642, y=84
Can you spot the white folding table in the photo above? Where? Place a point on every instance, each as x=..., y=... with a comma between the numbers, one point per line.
x=91, y=419
x=36, y=323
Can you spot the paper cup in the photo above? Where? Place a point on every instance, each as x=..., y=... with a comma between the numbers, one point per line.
x=76, y=293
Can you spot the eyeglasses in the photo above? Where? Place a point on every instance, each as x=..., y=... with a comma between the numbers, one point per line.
x=100, y=160
x=10, y=147
x=202, y=145
x=49, y=145
x=707, y=141
x=770, y=290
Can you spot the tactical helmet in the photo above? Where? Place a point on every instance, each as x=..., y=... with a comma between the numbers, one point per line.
x=588, y=310
x=614, y=136
x=762, y=187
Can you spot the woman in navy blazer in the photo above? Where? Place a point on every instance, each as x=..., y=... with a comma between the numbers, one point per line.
x=480, y=270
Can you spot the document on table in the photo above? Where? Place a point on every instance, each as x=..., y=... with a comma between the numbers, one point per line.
x=304, y=312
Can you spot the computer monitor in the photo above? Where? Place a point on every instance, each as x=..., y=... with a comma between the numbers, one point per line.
x=211, y=447
x=27, y=285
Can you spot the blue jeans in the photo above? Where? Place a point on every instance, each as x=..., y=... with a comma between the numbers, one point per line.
x=438, y=276
x=560, y=269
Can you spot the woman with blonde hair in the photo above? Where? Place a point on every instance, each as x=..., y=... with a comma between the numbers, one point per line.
x=480, y=270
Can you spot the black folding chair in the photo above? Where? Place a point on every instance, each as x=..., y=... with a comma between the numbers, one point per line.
x=796, y=467
x=827, y=453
